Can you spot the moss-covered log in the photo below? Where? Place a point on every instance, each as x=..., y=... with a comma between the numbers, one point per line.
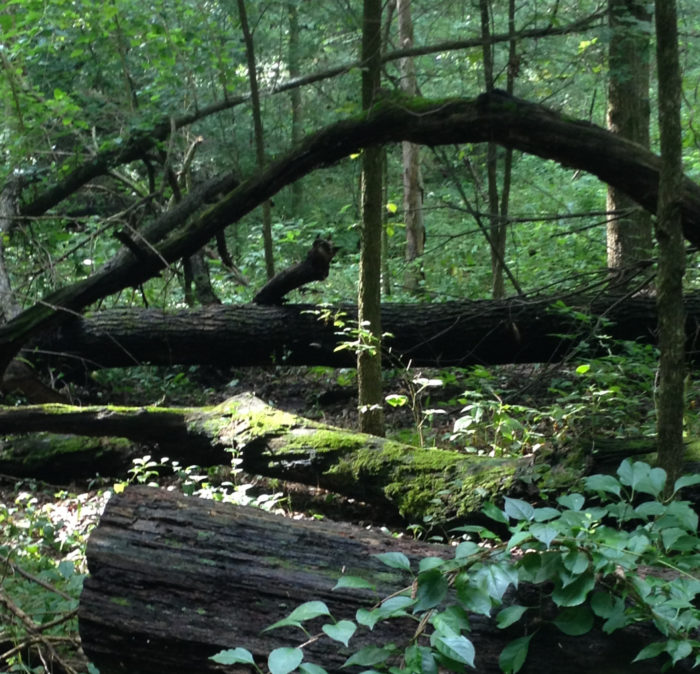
x=405, y=481
x=173, y=580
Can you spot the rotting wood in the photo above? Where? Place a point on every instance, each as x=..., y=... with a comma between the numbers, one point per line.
x=173, y=580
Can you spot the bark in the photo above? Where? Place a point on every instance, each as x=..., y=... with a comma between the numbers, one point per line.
x=400, y=480
x=412, y=180
x=259, y=138
x=629, y=236
x=369, y=355
x=439, y=335
x=293, y=59
x=314, y=268
x=510, y=121
x=670, y=405
x=173, y=580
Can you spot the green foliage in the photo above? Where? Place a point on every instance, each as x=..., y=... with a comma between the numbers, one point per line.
x=600, y=557
x=42, y=538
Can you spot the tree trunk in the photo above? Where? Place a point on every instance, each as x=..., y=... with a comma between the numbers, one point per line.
x=293, y=59
x=670, y=404
x=401, y=480
x=173, y=580
x=497, y=238
x=439, y=335
x=629, y=236
x=369, y=354
x=259, y=138
x=412, y=181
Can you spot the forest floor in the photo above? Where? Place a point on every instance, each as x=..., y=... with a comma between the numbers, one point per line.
x=44, y=527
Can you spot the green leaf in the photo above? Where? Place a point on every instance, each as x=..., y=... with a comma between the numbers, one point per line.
x=284, y=660
x=605, y=483
x=395, y=560
x=513, y=656
x=517, y=509
x=452, y=621
x=459, y=649
x=420, y=660
x=310, y=668
x=571, y=501
x=510, y=615
x=428, y=563
x=686, y=481
x=353, y=582
x=545, y=514
x=342, y=631
x=466, y=549
x=642, y=477
x=369, y=656
x=678, y=649
x=651, y=651
x=495, y=513
x=574, y=593
x=545, y=533
x=307, y=611
x=576, y=561
x=234, y=656
x=432, y=589
x=474, y=598
x=575, y=621
x=497, y=579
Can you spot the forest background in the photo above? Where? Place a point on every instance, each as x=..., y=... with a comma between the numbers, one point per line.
x=119, y=114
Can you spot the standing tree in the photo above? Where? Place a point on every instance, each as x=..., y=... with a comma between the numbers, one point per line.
x=412, y=181
x=259, y=139
x=669, y=235
x=629, y=231
x=369, y=364
x=295, y=99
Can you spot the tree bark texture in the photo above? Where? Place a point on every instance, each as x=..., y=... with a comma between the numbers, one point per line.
x=670, y=404
x=173, y=580
x=510, y=121
x=440, y=335
x=629, y=235
x=412, y=180
x=369, y=291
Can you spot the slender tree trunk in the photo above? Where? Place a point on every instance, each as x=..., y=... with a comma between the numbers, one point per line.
x=295, y=99
x=369, y=364
x=412, y=181
x=496, y=226
x=259, y=139
x=629, y=231
x=8, y=211
x=669, y=235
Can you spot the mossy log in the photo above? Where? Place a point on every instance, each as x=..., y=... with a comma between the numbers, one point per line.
x=405, y=481
x=173, y=580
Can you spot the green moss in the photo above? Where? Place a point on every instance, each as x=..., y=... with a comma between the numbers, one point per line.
x=120, y=601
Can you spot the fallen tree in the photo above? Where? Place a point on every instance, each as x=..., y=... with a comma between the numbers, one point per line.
x=453, y=333
x=492, y=117
x=407, y=483
x=173, y=580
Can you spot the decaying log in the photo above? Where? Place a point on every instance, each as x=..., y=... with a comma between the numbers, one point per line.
x=407, y=483
x=462, y=333
x=173, y=580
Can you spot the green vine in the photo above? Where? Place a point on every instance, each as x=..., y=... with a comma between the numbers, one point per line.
x=616, y=554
